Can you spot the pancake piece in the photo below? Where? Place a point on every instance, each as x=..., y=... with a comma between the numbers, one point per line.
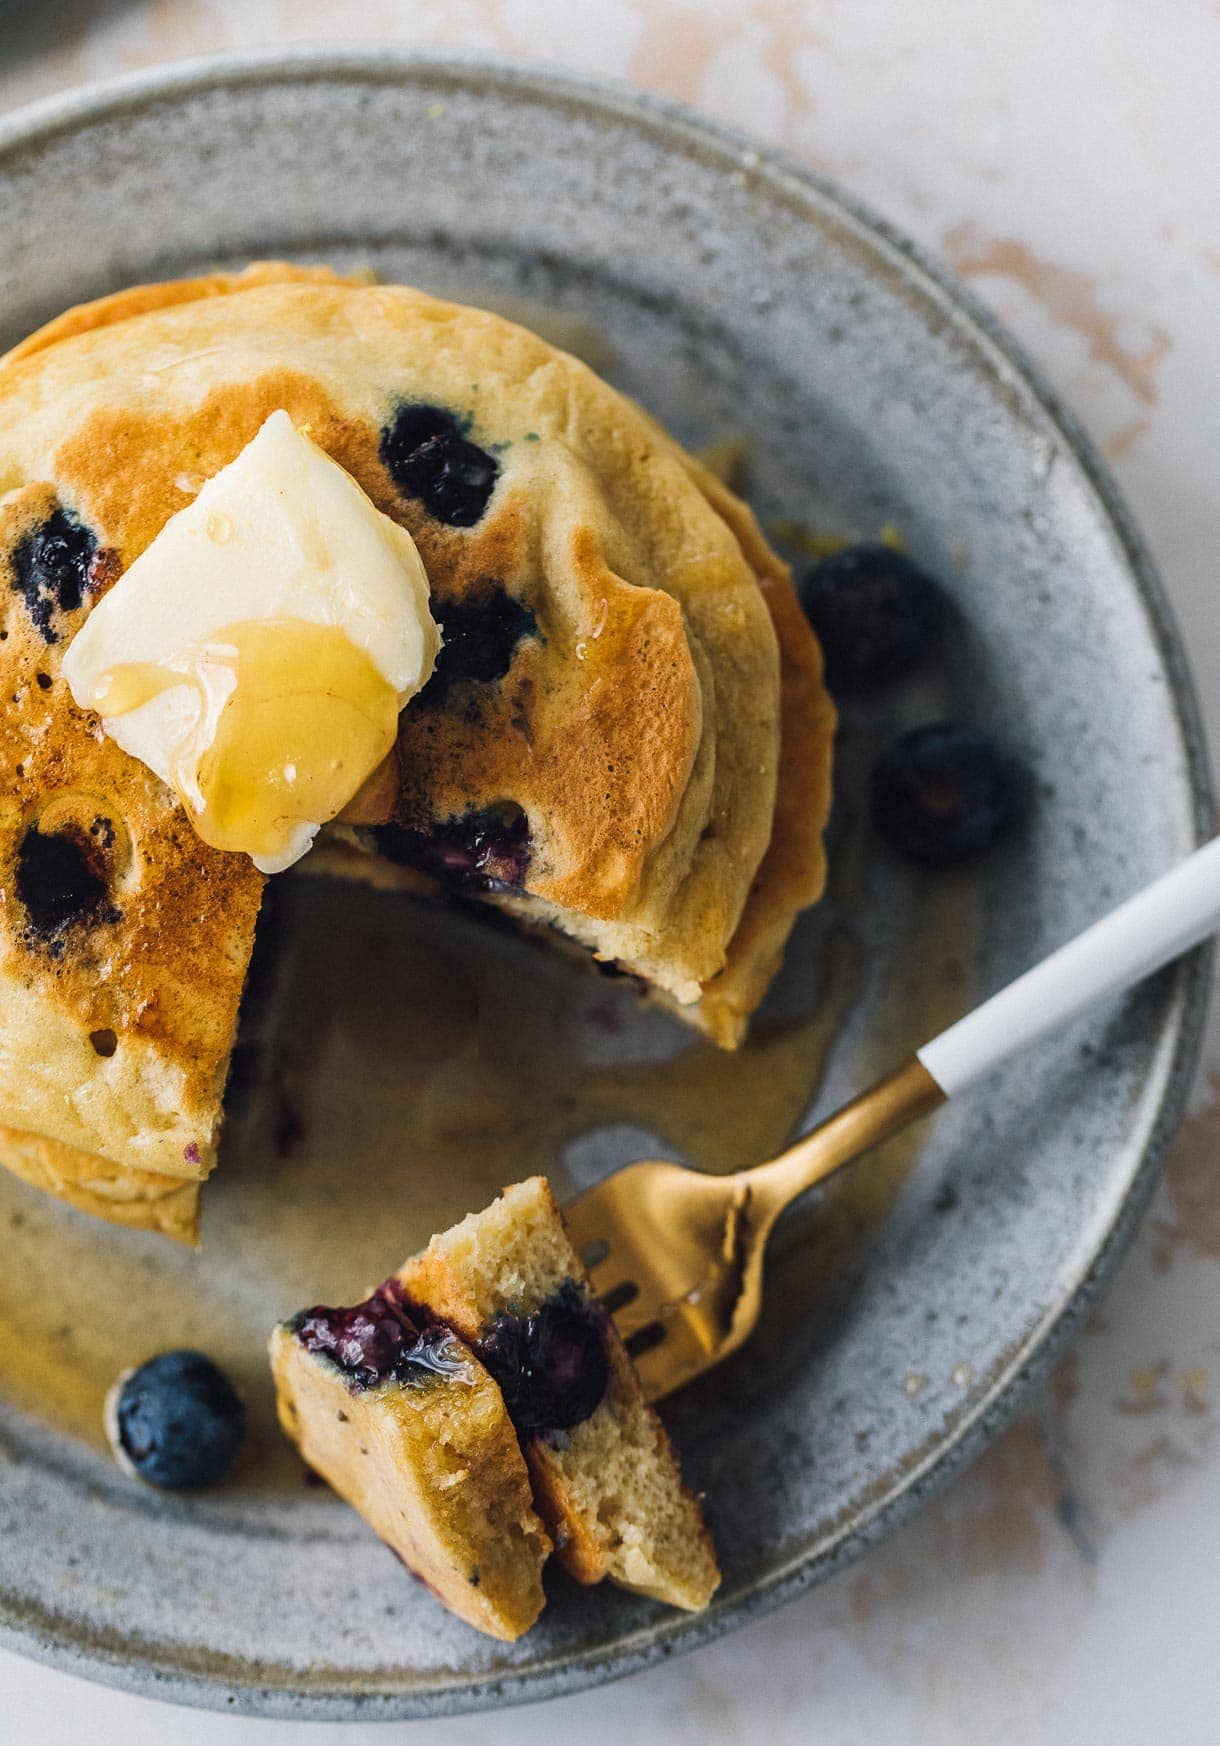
x=625, y=739
x=123, y=938
x=411, y=1430
x=606, y=1478
x=138, y=1199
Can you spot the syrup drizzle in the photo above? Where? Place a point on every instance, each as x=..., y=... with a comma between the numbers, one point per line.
x=288, y=720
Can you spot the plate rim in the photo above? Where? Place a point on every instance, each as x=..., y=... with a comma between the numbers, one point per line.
x=53, y=1642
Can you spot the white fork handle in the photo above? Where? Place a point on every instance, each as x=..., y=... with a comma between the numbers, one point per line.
x=1157, y=924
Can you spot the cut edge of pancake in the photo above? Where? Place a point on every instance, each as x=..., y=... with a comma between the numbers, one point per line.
x=140, y=1200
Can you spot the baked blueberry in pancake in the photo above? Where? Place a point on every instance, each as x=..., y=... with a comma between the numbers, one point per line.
x=624, y=738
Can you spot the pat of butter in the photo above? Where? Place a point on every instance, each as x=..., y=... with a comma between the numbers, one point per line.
x=257, y=654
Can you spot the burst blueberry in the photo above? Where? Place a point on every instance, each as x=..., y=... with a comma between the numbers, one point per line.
x=429, y=457
x=942, y=794
x=876, y=614
x=551, y=1365
x=480, y=634
x=379, y=1340
x=484, y=849
x=61, y=881
x=177, y=1421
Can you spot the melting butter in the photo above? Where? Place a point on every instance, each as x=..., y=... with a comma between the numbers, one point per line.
x=257, y=654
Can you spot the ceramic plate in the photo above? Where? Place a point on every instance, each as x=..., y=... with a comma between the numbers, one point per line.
x=409, y=1063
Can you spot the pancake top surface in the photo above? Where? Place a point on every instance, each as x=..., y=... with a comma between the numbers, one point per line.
x=601, y=738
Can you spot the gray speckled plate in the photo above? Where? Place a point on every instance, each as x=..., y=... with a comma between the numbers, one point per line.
x=744, y=302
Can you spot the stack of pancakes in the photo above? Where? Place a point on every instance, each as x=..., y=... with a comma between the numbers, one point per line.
x=626, y=742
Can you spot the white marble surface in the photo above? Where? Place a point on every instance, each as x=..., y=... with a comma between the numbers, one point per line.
x=1066, y=159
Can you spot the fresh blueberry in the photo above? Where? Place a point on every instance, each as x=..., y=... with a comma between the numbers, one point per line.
x=551, y=1366
x=485, y=849
x=943, y=794
x=53, y=569
x=429, y=457
x=177, y=1421
x=379, y=1339
x=876, y=614
x=480, y=634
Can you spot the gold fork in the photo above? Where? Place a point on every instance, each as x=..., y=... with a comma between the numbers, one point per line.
x=677, y=1256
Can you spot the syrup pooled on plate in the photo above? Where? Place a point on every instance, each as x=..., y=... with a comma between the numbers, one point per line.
x=405, y=1063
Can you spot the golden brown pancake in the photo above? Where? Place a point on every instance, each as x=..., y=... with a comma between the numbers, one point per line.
x=626, y=738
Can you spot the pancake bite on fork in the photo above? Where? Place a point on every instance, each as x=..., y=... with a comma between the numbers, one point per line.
x=419, y=1403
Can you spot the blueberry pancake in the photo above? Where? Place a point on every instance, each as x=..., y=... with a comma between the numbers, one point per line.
x=625, y=738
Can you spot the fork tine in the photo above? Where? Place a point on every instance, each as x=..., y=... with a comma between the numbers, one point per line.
x=692, y=1244
x=681, y=1353
x=664, y=1242
x=633, y=1316
x=619, y=1296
